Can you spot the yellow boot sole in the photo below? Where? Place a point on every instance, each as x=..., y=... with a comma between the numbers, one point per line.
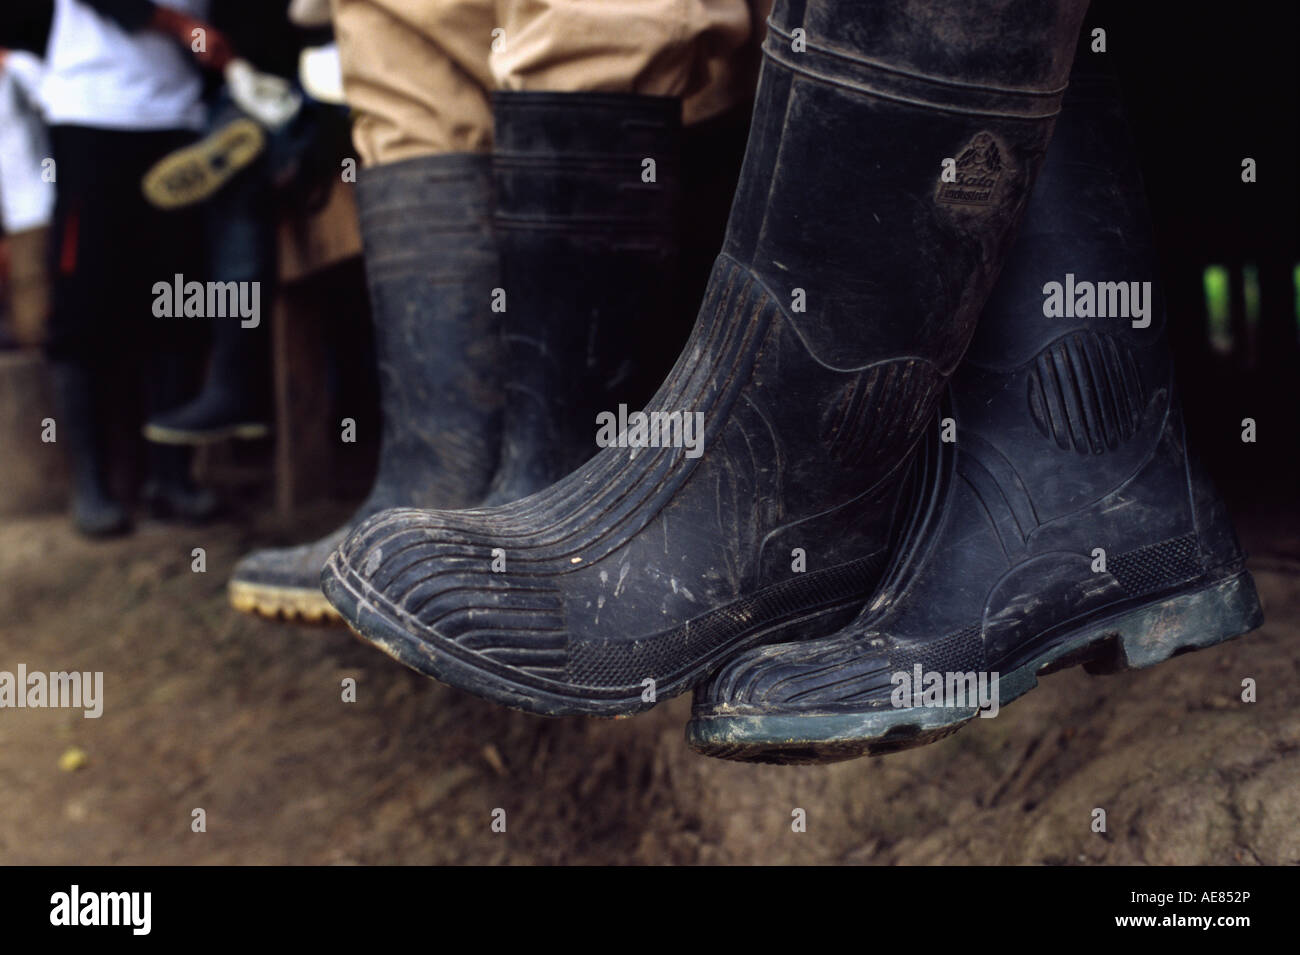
x=295, y=604
x=196, y=172
x=250, y=431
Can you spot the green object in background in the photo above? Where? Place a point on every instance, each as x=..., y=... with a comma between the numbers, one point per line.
x=1216, y=307
x=1296, y=277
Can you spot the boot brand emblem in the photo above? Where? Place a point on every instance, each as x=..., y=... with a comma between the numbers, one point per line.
x=979, y=168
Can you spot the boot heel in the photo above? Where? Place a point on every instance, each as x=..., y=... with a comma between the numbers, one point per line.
x=1191, y=621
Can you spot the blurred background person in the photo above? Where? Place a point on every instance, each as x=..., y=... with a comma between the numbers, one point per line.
x=122, y=88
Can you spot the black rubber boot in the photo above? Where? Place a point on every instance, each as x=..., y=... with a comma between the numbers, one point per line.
x=432, y=268
x=235, y=400
x=1065, y=524
x=169, y=492
x=94, y=511
x=847, y=288
x=588, y=264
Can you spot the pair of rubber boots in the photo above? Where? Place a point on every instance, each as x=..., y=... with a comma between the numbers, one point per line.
x=845, y=524
x=515, y=296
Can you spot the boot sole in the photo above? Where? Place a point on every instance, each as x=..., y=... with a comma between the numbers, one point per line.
x=292, y=604
x=197, y=172
x=250, y=431
x=359, y=608
x=1129, y=640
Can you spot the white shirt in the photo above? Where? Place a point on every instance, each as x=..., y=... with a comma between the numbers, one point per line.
x=97, y=74
x=26, y=199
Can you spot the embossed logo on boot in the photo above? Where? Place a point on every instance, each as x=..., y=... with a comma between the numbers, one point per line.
x=975, y=175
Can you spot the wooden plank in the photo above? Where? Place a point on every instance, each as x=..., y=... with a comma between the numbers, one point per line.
x=303, y=449
x=309, y=244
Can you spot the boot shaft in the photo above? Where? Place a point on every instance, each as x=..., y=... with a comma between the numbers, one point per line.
x=587, y=204
x=892, y=149
x=431, y=267
x=1069, y=373
x=1087, y=229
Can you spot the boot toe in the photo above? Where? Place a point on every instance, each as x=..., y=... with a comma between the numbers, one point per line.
x=288, y=566
x=846, y=669
x=820, y=701
x=285, y=582
x=440, y=591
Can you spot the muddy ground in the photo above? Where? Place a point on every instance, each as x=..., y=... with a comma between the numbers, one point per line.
x=243, y=718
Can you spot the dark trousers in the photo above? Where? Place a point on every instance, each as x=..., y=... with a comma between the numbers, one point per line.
x=109, y=247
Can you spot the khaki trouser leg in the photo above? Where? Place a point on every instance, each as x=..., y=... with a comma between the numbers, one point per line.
x=692, y=49
x=418, y=72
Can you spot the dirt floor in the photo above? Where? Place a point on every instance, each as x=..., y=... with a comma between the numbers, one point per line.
x=205, y=708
